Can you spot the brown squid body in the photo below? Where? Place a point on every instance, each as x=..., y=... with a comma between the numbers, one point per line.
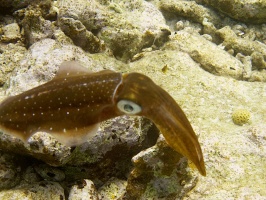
x=71, y=106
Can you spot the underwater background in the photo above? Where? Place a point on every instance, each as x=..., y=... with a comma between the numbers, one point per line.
x=210, y=56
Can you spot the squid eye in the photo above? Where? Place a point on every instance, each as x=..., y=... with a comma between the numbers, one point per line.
x=128, y=107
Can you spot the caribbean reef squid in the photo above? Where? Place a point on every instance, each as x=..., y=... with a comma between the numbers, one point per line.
x=75, y=101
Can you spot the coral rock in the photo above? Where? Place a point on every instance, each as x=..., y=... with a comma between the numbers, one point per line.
x=243, y=10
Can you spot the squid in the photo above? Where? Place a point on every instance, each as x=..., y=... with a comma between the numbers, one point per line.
x=71, y=106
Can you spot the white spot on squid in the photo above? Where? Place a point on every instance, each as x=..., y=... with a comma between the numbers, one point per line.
x=64, y=130
x=51, y=128
x=67, y=113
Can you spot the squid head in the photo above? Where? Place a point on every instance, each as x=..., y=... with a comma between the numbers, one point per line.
x=139, y=95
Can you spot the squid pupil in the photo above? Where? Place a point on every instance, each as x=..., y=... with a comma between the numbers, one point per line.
x=128, y=108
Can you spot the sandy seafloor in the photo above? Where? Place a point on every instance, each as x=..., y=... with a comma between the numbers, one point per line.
x=210, y=62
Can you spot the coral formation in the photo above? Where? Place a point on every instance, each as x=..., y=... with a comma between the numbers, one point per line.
x=35, y=26
x=241, y=116
x=236, y=39
x=80, y=36
x=124, y=33
x=212, y=58
x=155, y=173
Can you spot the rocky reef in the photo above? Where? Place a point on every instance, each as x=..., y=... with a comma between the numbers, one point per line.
x=209, y=55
